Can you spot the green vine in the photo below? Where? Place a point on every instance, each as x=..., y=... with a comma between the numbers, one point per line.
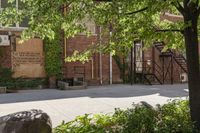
x=123, y=67
x=53, y=60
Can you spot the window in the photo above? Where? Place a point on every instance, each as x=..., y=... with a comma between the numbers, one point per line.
x=89, y=25
x=4, y=3
x=17, y=4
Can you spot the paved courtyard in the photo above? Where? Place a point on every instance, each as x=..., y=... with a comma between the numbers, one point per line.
x=66, y=105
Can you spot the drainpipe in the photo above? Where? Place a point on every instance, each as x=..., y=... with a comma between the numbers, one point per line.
x=111, y=78
x=100, y=58
x=92, y=63
x=110, y=59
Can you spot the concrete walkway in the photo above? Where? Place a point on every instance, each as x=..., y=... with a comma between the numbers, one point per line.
x=66, y=105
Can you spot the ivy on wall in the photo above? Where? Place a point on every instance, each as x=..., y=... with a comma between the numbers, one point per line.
x=53, y=60
x=124, y=68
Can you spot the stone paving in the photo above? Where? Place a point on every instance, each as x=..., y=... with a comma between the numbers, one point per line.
x=66, y=105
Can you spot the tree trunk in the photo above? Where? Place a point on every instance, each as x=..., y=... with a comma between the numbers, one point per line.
x=191, y=44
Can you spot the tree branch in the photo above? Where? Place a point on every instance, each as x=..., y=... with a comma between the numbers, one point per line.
x=65, y=6
x=141, y=10
x=185, y=3
x=198, y=10
x=179, y=7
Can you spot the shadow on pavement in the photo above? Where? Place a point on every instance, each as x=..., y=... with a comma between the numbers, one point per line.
x=113, y=91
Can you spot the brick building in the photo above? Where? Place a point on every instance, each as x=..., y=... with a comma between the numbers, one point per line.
x=151, y=66
x=97, y=70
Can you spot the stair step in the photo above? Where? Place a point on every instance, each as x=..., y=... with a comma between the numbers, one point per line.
x=149, y=74
x=160, y=49
x=182, y=63
x=152, y=79
x=166, y=53
x=158, y=45
x=180, y=59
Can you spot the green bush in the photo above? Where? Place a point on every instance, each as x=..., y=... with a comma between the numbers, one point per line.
x=22, y=83
x=19, y=83
x=28, y=83
x=170, y=118
x=175, y=117
x=6, y=77
x=5, y=74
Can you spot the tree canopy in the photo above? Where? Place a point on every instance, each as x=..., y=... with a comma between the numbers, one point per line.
x=129, y=20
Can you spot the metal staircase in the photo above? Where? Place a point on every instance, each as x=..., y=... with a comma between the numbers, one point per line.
x=152, y=75
x=151, y=72
x=152, y=78
x=178, y=58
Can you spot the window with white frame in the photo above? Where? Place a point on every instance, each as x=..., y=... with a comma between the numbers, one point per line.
x=17, y=4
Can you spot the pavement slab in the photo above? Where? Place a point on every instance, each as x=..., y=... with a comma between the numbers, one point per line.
x=66, y=105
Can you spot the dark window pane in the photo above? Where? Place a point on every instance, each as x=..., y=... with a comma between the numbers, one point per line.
x=13, y=25
x=24, y=23
x=4, y=4
x=20, y=4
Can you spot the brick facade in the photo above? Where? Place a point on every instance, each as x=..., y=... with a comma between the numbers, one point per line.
x=5, y=56
x=89, y=70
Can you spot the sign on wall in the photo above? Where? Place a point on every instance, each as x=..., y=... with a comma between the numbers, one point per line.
x=20, y=58
x=28, y=59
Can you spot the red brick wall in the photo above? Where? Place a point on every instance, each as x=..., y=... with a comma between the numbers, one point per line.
x=5, y=56
x=80, y=43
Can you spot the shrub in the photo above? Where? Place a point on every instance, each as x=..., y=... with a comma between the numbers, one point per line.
x=139, y=119
x=22, y=83
x=5, y=74
x=175, y=117
x=19, y=83
x=170, y=118
x=28, y=83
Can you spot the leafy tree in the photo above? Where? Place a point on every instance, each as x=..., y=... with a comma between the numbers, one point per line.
x=129, y=20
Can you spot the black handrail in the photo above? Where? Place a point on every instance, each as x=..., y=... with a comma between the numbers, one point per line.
x=148, y=70
x=174, y=55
